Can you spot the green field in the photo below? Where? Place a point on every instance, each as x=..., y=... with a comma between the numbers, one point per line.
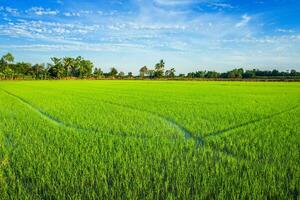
x=149, y=140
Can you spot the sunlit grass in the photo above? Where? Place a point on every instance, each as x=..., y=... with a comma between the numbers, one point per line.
x=149, y=139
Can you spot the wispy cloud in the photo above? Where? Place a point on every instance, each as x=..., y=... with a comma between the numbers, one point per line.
x=244, y=21
x=46, y=30
x=72, y=14
x=42, y=11
x=201, y=30
x=281, y=30
x=9, y=10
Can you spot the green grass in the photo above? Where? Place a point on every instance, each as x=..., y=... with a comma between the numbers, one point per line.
x=149, y=140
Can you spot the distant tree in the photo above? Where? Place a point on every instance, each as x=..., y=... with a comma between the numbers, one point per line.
x=197, y=74
x=151, y=73
x=113, y=72
x=235, y=73
x=143, y=71
x=98, y=73
x=293, y=72
x=200, y=74
x=9, y=58
x=5, y=63
x=68, y=65
x=212, y=74
x=8, y=73
x=191, y=75
x=159, y=69
x=249, y=74
x=170, y=73
x=173, y=71
x=129, y=75
x=80, y=67
x=121, y=75
x=22, y=69
x=56, y=69
x=38, y=71
x=85, y=68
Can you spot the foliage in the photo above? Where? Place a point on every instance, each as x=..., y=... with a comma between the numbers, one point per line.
x=68, y=67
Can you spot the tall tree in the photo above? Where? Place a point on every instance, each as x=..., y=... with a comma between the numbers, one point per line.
x=151, y=73
x=159, y=69
x=85, y=68
x=129, y=75
x=170, y=73
x=143, y=71
x=38, y=71
x=113, y=72
x=6, y=60
x=22, y=68
x=56, y=69
x=121, y=75
x=98, y=73
x=9, y=58
x=68, y=64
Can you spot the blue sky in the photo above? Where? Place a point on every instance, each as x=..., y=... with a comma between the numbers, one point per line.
x=188, y=34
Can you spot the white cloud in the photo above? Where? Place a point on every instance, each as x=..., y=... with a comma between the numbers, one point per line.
x=244, y=21
x=49, y=31
x=12, y=11
x=75, y=47
x=43, y=11
x=174, y=2
x=221, y=5
x=281, y=30
x=71, y=14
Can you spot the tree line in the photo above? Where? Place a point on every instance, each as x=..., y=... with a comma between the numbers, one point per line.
x=70, y=68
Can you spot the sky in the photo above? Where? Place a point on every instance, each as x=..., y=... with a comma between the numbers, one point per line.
x=189, y=35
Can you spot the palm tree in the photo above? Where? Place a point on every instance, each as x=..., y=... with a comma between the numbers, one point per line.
x=56, y=69
x=159, y=68
x=38, y=70
x=9, y=58
x=6, y=60
x=68, y=63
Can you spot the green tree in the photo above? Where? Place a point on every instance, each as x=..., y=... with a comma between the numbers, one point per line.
x=38, y=71
x=159, y=69
x=143, y=71
x=130, y=75
x=121, y=75
x=249, y=74
x=9, y=58
x=56, y=70
x=5, y=61
x=85, y=68
x=6, y=66
x=151, y=73
x=212, y=74
x=113, y=72
x=170, y=73
x=22, y=69
x=68, y=63
x=8, y=73
x=98, y=73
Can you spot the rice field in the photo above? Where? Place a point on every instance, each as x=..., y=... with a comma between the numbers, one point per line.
x=149, y=140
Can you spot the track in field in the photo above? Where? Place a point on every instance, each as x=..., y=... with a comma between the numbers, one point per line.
x=220, y=132
x=200, y=141
x=42, y=113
